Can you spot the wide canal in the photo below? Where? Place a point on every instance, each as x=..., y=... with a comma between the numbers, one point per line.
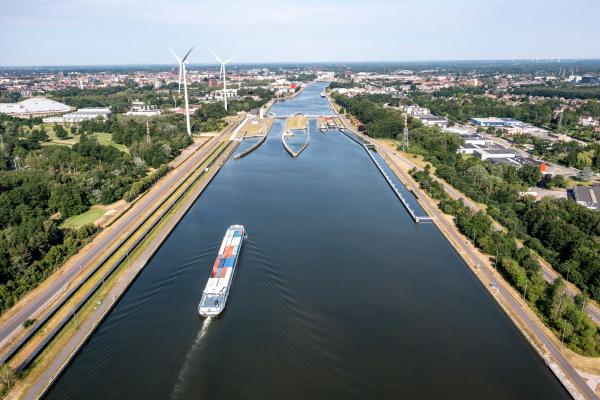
x=338, y=295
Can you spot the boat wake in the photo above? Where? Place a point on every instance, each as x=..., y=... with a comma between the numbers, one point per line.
x=189, y=357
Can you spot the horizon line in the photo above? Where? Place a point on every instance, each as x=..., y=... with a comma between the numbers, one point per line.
x=257, y=63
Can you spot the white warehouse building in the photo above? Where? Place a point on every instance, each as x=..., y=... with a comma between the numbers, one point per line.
x=35, y=106
x=81, y=114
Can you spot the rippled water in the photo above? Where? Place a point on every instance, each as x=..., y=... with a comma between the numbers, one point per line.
x=338, y=295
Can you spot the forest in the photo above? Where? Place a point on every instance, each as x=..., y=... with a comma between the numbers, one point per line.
x=52, y=184
x=376, y=121
x=41, y=185
x=569, y=92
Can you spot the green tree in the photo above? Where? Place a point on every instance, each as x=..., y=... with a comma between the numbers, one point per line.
x=60, y=132
x=530, y=174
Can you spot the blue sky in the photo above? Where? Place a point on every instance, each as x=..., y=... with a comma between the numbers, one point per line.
x=84, y=32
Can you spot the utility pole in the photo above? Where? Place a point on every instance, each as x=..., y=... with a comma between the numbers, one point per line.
x=405, y=134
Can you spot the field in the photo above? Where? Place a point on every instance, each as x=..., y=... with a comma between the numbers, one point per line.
x=103, y=138
x=88, y=217
x=297, y=122
x=106, y=139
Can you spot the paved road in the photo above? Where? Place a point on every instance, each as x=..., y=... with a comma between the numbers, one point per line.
x=484, y=266
x=48, y=293
x=84, y=331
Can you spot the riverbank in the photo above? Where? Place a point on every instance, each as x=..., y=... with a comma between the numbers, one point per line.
x=544, y=342
x=200, y=167
x=344, y=217
x=37, y=303
x=56, y=358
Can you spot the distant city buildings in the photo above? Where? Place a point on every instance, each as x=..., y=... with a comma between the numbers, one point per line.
x=141, y=109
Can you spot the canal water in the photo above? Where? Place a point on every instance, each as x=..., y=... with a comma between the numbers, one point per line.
x=338, y=295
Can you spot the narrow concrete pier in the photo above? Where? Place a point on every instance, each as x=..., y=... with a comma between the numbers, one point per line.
x=253, y=147
x=289, y=149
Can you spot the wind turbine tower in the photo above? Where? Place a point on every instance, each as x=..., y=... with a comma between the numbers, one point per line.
x=183, y=74
x=222, y=74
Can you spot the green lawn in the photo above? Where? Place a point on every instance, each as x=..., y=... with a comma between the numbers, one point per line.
x=103, y=138
x=69, y=141
x=88, y=217
x=106, y=139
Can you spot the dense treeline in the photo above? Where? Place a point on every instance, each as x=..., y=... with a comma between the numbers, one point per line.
x=571, y=250
x=462, y=108
x=40, y=186
x=564, y=314
x=210, y=116
x=167, y=136
x=341, y=85
x=570, y=154
x=459, y=90
x=569, y=92
x=7, y=96
x=591, y=108
x=564, y=233
x=377, y=121
x=118, y=98
x=54, y=182
x=303, y=77
x=30, y=252
x=145, y=183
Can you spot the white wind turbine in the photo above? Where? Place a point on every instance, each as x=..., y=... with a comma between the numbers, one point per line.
x=182, y=73
x=222, y=74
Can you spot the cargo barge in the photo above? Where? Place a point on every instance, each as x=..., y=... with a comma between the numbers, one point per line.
x=214, y=296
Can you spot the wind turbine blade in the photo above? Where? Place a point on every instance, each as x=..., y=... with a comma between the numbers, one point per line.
x=229, y=60
x=186, y=55
x=174, y=55
x=216, y=56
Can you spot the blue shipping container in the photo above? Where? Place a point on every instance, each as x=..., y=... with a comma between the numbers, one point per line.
x=228, y=262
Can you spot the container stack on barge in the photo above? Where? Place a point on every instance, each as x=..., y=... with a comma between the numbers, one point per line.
x=214, y=296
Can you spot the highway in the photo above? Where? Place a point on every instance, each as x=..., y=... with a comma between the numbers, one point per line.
x=36, y=305
x=57, y=364
x=482, y=264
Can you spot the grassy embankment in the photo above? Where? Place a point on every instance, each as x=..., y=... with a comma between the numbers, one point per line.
x=44, y=360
